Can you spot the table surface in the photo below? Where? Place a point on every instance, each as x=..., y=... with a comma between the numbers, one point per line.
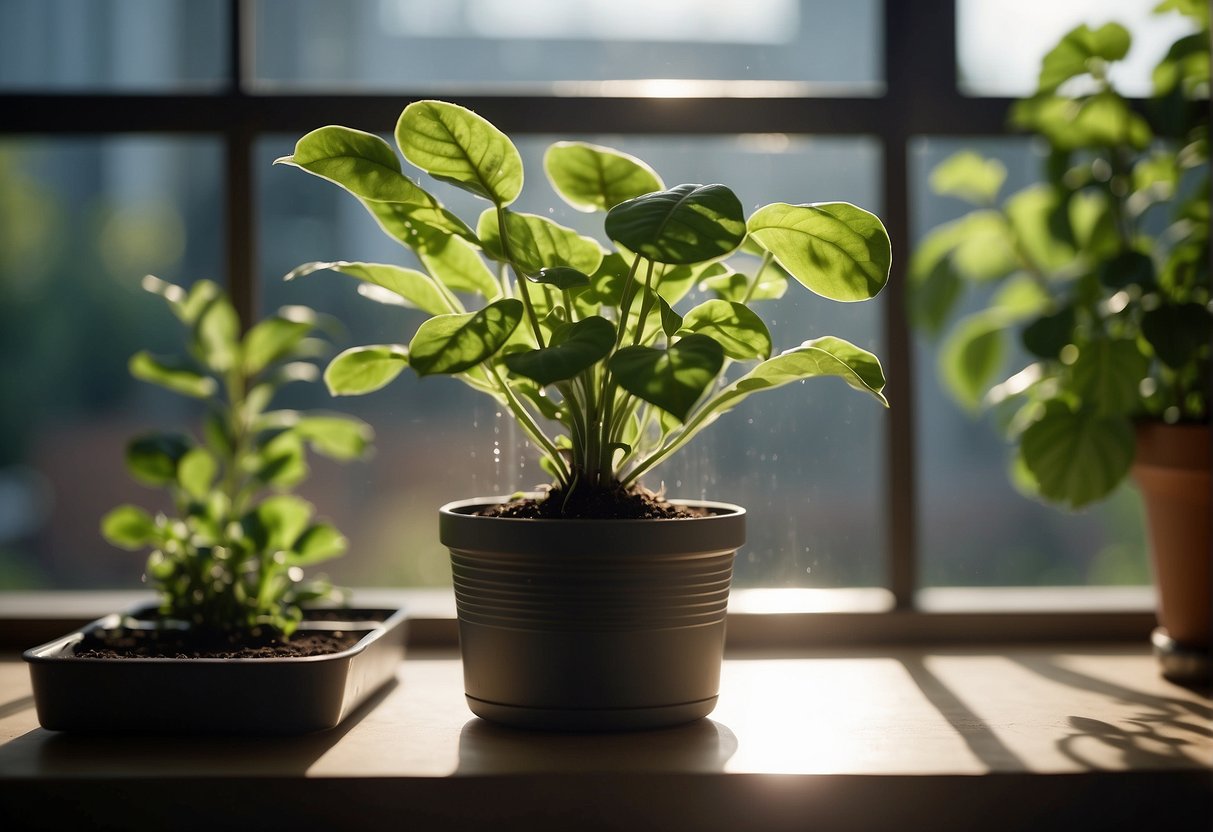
x=1029, y=714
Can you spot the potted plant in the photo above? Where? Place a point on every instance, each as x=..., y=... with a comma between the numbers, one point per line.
x=228, y=547
x=1102, y=273
x=592, y=603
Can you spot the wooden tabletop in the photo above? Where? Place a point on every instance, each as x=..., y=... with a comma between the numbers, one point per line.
x=856, y=739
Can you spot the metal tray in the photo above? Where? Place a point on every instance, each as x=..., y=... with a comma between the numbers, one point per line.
x=283, y=695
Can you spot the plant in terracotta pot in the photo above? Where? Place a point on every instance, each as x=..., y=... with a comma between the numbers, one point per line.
x=1101, y=273
x=593, y=603
x=228, y=550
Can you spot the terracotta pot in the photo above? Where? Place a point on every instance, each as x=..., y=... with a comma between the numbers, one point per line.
x=591, y=624
x=1172, y=469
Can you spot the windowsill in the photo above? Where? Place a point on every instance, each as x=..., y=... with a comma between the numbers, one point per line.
x=1020, y=737
x=758, y=618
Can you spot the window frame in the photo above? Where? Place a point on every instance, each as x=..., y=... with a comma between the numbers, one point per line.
x=920, y=97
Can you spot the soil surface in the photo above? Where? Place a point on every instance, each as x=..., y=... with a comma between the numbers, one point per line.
x=168, y=644
x=615, y=503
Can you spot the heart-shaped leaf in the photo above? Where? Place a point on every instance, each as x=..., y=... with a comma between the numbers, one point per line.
x=454, y=145
x=1077, y=457
x=684, y=225
x=594, y=178
x=454, y=343
x=672, y=379
x=741, y=333
x=574, y=347
x=835, y=249
x=361, y=370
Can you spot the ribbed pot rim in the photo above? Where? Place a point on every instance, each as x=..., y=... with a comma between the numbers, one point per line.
x=459, y=528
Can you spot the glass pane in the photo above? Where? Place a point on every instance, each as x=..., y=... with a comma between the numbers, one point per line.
x=806, y=460
x=1000, y=43
x=113, y=45
x=975, y=528
x=419, y=44
x=81, y=222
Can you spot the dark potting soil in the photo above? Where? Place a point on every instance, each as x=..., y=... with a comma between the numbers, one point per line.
x=593, y=504
x=161, y=644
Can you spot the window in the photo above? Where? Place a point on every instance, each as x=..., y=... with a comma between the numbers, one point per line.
x=160, y=156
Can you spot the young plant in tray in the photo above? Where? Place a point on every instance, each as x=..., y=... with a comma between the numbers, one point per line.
x=563, y=330
x=227, y=559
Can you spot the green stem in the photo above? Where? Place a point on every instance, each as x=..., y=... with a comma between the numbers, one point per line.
x=528, y=423
x=523, y=288
x=767, y=257
x=646, y=304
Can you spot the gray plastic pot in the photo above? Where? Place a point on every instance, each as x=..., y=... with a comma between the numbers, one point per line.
x=591, y=625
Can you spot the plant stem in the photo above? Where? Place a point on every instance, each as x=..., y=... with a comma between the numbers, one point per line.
x=767, y=257
x=528, y=423
x=523, y=288
x=646, y=304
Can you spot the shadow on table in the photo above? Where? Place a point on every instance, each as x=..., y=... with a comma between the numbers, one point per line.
x=1152, y=738
x=63, y=754
x=703, y=746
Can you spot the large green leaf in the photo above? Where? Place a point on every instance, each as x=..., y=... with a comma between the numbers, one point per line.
x=412, y=287
x=574, y=347
x=454, y=343
x=1107, y=374
x=594, y=178
x=537, y=243
x=1077, y=457
x=129, y=527
x=969, y=176
x=742, y=334
x=835, y=249
x=1076, y=51
x=146, y=367
x=454, y=145
x=672, y=379
x=362, y=163
x=361, y=370
x=684, y=225
x=972, y=356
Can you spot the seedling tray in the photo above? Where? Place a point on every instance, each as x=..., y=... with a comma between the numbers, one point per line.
x=280, y=695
